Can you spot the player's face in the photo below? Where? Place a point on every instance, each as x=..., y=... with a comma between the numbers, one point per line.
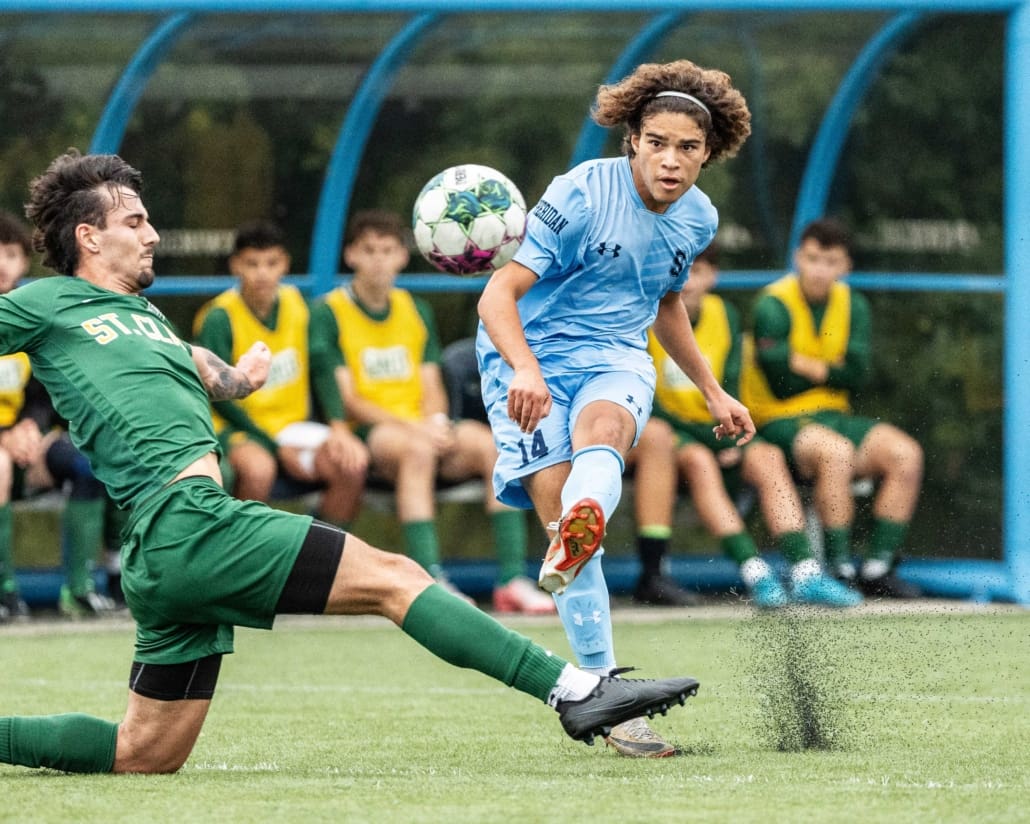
x=125, y=246
x=670, y=150
x=376, y=259
x=260, y=271
x=14, y=264
x=819, y=267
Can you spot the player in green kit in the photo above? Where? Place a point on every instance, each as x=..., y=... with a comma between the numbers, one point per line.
x=196, y=561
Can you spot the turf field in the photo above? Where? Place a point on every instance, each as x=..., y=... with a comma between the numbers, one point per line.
x=875, y=716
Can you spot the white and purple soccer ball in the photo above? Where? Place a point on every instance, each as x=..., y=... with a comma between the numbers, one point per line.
x=469, y=220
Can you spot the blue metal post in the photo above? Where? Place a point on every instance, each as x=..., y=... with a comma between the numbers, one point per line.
x=107, y=138
x=334, y=201
x=833, y=131
x=1017, y=304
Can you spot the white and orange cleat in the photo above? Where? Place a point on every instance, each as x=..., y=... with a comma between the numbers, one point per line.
x=577, y=537
x=520, y=595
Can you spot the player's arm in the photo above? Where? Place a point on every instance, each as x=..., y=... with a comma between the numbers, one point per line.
x=325, y=358
x=435, y=402
x=673, y=330
x=773, y=351
x=854, y=371
x=529, y=399
x=213, y=331
x=224, y=382
x=735, y=357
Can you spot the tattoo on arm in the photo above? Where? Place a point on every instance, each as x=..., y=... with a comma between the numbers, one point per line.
x=224, y=382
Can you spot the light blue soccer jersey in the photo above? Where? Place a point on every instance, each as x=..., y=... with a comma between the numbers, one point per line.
x=604, y=261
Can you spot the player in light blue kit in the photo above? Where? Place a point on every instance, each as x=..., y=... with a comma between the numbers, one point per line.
x=562, y=342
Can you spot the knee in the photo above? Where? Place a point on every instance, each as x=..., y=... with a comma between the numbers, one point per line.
x=419, y=455
x=140, y=753
x=835, y=461
x=656, y=437
x=6, y=475
x=764, y=463
x=695, y=459
x=612, y=425
x=255, y=469
x=398, y=581
x=908, y=455
x=351, y=478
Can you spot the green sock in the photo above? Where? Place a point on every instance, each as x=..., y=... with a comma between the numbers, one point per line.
x=795, y=547
x=467, y=637
x=886, y=539
x=510, y=538
x=7, y=583
x=422, y=544
x=739, y=547
x=72, y=743
x=837, y=544
x=82, y=527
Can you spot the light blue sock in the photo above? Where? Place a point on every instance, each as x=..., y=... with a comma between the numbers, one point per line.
x=596, y=473
x=584, y=607
x=586, y=614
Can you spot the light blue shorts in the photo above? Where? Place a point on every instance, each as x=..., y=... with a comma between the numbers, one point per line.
x=521, y=454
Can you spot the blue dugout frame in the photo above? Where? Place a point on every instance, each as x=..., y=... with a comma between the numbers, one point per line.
x=1008, y=579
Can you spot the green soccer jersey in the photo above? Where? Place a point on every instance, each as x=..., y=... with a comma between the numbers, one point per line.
x=118, y=374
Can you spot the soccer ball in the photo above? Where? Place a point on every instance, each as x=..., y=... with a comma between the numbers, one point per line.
x=469, y=220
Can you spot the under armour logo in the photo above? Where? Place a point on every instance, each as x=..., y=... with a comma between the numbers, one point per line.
x=633, y=402
x=579, y=620
x=613, y=248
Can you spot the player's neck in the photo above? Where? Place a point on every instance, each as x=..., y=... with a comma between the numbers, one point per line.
x=261, y=309
x=105, y=280
x=372, y=295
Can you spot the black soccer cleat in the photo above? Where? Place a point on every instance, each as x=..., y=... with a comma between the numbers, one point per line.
x=663, y=591
x=615, y=700
x=888, y=586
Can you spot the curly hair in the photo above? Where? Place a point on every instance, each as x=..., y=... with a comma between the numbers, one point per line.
x=632, y=100
x=74, y=189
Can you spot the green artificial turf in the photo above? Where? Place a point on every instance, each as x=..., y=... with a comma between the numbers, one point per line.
x=804, y=717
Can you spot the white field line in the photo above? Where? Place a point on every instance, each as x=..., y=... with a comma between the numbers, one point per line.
x=866, y=784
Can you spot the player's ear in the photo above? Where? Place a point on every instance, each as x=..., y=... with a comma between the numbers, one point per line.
x=85, y=238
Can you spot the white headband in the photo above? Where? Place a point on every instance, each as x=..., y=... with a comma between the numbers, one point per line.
x=685, y=96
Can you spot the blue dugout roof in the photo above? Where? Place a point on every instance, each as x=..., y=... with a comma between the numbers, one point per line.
x=820, y=168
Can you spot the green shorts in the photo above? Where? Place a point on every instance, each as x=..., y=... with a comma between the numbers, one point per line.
x=697, y=433
x=701, y=433
x=782, y=431
x=196, y=562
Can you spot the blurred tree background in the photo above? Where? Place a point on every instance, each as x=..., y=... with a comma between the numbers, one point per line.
x=241, y=118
